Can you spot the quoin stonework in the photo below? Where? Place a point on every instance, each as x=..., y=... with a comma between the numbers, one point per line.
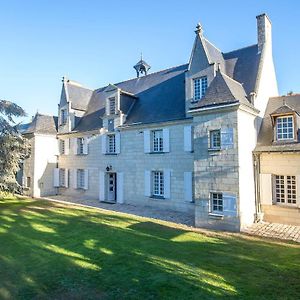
x=210, y=137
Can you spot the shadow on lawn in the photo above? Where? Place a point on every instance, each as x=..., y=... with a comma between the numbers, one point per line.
x=49, y=251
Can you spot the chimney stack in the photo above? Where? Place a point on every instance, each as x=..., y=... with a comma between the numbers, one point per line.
x=264, y=32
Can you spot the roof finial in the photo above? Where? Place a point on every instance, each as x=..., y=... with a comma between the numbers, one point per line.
x=199, y=29
x=283, y=101
x=141, y=55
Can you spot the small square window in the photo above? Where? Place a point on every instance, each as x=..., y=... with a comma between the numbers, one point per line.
x=216, y=202
x=215, y=139
x=157, y=141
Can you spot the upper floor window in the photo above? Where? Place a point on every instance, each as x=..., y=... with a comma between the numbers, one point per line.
x=157, y=141
x=284, y=128
x=62, y=147
x=112, y=105
x=80, y=145
x=215, y=139
x=200, y=87
x=63, y=116
x=285, y=189
x=111, y=143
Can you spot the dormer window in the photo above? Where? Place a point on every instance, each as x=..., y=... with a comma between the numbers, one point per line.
x=112, y=105
x=200, y=87
x=284, y=128
x=63, y=116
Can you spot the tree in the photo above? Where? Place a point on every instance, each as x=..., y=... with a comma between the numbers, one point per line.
x=13, y=146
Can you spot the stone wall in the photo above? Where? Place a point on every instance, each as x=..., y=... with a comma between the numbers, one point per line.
x=133, y=162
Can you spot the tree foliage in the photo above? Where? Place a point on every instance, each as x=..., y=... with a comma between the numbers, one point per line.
x=13, y=146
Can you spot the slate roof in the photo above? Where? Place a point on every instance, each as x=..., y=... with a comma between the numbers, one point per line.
x=160, y=96
x=42, y=124
x=78, y=95
x=223, y=90
x=283, y=104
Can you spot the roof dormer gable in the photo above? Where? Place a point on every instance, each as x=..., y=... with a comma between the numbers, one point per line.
x=285, y=122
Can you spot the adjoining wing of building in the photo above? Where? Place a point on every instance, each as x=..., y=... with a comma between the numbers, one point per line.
x=180, y=139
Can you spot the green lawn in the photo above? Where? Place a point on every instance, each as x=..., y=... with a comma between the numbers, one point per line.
x=52, y=251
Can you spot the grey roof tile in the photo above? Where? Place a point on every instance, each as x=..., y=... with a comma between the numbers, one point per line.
x=223, y=90
x=42, y=124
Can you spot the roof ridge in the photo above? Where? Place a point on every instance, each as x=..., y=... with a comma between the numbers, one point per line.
x=78, y=84
x=213, y=45
x=235, y=81
x=143, y=76
x=239, y=49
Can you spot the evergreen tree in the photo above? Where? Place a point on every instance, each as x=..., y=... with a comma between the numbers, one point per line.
x=13, y=146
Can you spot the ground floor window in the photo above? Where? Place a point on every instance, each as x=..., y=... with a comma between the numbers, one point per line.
x=158, y=183
x=62, y=177
x=28, y=182
x=285, y=189
x=80, y=178
x=216, y=200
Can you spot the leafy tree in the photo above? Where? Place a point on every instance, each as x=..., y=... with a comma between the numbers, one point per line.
x=13, y=146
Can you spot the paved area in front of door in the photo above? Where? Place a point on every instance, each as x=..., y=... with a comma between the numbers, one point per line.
x=275, y=231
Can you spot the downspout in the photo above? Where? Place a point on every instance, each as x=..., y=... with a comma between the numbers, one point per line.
x=256, y=166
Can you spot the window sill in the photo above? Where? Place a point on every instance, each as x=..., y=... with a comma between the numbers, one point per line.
x=157, y=197
x=111, y=153
x=214, y=149
x=157, y=152
x=81, y=154
x=216, y=216
x=284, y=205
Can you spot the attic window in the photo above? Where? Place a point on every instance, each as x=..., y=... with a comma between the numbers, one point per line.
x=200, y=87
x=112, y=105
x=284, y=128
x=63, y=116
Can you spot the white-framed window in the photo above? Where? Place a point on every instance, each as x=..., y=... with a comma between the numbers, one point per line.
x=200, y=87
x=215, y=139
x=62, y=147
x=157, y=141
x=80, y=179
x=112, y=105
x=63, y=116
x=216, y=202
x=80, y=145
x=111, y=143
x=285, y=128
x=62, y=177
x=285, y=189
x=158, y=186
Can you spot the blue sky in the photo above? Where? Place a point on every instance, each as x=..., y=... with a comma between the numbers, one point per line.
x=98, y=42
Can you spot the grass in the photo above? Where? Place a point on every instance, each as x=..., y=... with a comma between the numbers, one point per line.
x=53, y=251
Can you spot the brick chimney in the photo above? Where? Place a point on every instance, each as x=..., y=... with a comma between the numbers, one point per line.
x=264, y=32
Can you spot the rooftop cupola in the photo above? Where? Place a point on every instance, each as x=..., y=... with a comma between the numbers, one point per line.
x=141, y=67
